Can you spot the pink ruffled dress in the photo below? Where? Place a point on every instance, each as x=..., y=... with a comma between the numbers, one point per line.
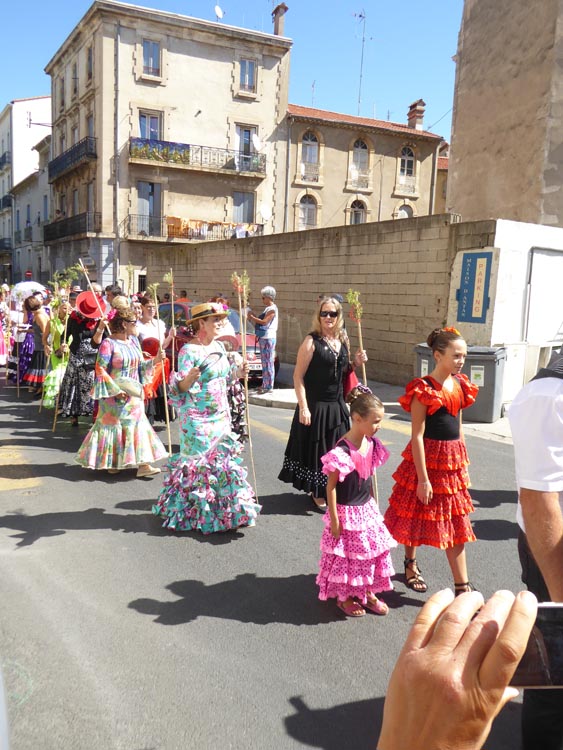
x=358, y=562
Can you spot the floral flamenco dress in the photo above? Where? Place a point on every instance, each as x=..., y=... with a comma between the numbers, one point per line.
x=205, y=487
x=121, y=437
x=358, y=562
x=444, y=522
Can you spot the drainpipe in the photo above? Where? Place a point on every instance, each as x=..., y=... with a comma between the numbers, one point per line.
x=117, y=248
x=432, y=202
x=287, y=162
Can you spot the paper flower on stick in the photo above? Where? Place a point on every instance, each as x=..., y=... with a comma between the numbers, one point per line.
x=353, y=299
x=241, y=284
x=168, y=278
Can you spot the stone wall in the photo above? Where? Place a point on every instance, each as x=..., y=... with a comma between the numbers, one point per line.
x=401, y=268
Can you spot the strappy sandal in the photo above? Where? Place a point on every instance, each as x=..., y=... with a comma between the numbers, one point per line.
x=376, y=606
x=463, y=588
x=351, y=608
x=415, y=582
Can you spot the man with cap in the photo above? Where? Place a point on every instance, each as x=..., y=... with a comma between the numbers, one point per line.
x=536, y=421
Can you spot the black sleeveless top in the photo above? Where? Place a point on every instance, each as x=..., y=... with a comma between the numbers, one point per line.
x=324, y=376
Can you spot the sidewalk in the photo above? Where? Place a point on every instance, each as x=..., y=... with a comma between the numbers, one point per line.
x=283, y=397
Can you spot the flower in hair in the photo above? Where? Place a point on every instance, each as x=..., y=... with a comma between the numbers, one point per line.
x=363, y=388
x=451, y=329
x=112, y=313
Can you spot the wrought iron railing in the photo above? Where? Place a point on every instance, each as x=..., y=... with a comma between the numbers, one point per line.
x=81, y=152
x=406, y=184
x=310, y=172
x=172, y=227
x=358, y=179
x=190, y=155
x=80, y=224
x=5, y=159
x=5, y=243
x=17, y=237
x=6, y=201
x=28, y=234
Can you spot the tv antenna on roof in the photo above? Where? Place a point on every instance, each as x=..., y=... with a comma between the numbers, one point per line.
x=361, y=16
x=218, y=12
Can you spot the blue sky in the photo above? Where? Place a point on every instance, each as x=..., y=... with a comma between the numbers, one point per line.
x=407, y=53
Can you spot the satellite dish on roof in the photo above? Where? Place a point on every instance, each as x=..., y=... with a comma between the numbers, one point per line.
x=256, y=142
x=219, y=12
x=265, y=211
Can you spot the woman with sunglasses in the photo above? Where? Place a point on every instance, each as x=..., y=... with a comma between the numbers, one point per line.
x=321, y=416
x=205, y=486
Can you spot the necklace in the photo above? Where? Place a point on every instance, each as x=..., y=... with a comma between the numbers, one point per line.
x=336, y=351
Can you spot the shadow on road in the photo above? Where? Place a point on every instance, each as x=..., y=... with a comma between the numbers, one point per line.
x=287, y=504
x=356, y=725
x=495, y=530
x=493, y=498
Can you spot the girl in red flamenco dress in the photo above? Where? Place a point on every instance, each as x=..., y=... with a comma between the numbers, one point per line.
x=430, y=502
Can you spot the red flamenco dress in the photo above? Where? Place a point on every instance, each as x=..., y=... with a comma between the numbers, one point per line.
x=444, y=522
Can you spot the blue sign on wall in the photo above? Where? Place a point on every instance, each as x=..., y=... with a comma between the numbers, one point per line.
x=473, y=295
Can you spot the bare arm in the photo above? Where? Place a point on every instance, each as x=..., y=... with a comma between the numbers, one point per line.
x=265, y=320
x=45, y=336
x=331, y=502
x=544, y=531
x=418, y=417
x=304, y=357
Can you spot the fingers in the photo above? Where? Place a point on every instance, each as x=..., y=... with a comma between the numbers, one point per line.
x=425, y=623
x=452, y=626
x=502, y=659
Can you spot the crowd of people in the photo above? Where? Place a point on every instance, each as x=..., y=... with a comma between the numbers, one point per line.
x=103, y=356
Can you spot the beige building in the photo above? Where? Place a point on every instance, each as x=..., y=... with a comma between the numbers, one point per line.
x=508, y=106
x=165, y=131
x=351, y=170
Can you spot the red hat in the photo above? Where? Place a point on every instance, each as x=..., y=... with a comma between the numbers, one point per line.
x=89, y=305
x=150, y=346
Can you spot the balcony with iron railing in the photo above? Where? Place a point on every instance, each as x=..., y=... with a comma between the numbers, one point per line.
x=5, y=243
x=17, y=237
x=6, y=202
x=190, y=156
x=5, y=159
x=81, y=153
x=310, y=172
x=81, y=224
x=28, y=234
x=171, y=228
x=406, y=185
x=358, y=179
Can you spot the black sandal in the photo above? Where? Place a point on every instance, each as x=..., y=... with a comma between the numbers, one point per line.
x=415, y=582
x=463, y=588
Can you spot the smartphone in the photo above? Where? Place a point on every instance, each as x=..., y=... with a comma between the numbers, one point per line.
x=542, y=663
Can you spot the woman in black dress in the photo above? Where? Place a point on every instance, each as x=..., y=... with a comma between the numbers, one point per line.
x=321, y=416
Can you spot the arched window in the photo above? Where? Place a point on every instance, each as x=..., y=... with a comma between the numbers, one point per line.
x=405, y=212
x=359, y=168
x=310, y=157
x=407, y=162
x=307, y=212
x=358, y=212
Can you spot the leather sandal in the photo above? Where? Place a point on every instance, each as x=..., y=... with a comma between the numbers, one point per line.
x=415, y=582
x=351, y=608
x=463, y=588
x=376, y=606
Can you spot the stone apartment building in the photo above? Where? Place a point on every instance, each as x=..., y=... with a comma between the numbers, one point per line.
x=23, y=124
x=352, y=170
x=32, y=211
x=508, y=107
x=165, y=130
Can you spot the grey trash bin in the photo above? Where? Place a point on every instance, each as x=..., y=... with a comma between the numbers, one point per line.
x=485, y=367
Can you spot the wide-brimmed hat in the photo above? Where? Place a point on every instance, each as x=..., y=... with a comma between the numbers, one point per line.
x=87, y=305
x=150, y=345
x=207, y=310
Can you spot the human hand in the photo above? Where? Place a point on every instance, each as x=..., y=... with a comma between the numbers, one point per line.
x=360, y=357
x=64, y=348
x=335, y=527
x=458, y=668
x=172, y=332
x=424, y=492
x=305, y=416
x=192, y=376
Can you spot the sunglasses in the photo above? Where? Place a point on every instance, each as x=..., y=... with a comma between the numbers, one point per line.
x=328, y=314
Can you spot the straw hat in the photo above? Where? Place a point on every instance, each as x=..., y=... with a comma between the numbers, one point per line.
x=207, y=310
x=87, y=306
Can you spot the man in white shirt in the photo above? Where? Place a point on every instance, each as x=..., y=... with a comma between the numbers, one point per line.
x=536, y=421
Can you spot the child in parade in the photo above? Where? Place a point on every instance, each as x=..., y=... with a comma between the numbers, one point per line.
x=430, y=502
x=355, y=562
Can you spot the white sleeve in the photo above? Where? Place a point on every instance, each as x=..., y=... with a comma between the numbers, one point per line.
x=536, y=421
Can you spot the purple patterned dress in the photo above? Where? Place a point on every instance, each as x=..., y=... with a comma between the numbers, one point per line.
x=205, y=487
x=23, y=349
x=358, y=562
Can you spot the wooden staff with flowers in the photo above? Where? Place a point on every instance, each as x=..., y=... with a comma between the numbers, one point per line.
x=168, y=278
x=241, y=285
x=152, y=291
x=353, y=299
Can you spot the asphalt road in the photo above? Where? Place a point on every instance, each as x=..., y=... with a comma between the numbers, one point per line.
x=118, y=635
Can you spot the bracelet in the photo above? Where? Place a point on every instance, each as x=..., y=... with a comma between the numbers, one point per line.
x=424, y=484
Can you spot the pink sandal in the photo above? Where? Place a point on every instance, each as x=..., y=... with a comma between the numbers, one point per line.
x=351, y=608
x=376, y=606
